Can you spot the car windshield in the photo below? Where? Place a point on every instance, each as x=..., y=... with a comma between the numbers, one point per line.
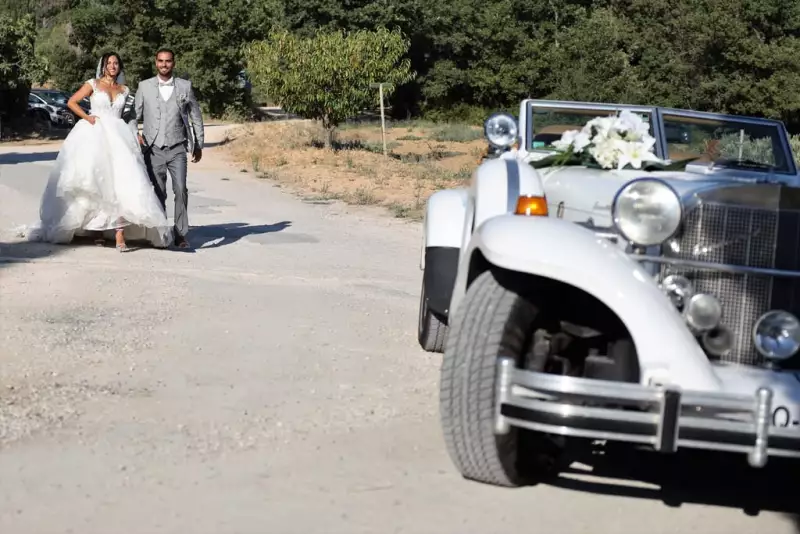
x=52, y=97
x=725, y=142
x=550, y=123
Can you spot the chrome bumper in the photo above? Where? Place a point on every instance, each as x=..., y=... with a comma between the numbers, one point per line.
x=664, y=418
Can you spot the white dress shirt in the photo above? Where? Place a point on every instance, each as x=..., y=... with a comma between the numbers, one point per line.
x=166, y=90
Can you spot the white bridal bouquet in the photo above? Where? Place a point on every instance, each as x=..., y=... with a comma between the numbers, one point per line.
x=612, y=142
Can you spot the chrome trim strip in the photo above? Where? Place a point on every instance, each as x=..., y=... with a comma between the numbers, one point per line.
x=580, y=433
x=505, y=368
x=512, y=183
x=716, y=266
x=614, y=238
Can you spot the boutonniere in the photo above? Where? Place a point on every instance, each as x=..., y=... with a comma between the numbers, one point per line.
x=182, y=98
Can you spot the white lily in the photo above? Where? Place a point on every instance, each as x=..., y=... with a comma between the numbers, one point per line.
x=567, y=138
x=605, y=152
x=581, y=141
x=636, y=153
x=612, y=141
x=576, y=139
x=636, y=129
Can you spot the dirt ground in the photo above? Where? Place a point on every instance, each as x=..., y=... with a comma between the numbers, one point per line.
x=422, y=158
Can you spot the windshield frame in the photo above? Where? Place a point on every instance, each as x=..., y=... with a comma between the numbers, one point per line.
x=783, y=136
x=528, y=107
x=656, y=114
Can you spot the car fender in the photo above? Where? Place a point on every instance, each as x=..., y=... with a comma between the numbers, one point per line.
x=443, y=223
x=566, y=252
x=443, y=226
x=496, y=187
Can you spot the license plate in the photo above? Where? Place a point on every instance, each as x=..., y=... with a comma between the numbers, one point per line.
x=786, y=416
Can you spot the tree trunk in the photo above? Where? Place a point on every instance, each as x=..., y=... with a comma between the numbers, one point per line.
x=329, y=137
x=329, y=128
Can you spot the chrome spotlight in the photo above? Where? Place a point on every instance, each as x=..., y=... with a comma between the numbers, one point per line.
x=776, y=335
x=702, y=312
x=678, y=288
x=718, y=341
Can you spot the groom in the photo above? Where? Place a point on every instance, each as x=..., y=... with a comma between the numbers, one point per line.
x=172, y=126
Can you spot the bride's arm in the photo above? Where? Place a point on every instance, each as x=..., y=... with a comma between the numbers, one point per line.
x=138, y=111
x=79, y=95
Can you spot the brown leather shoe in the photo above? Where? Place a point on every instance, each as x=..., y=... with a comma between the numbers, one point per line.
x=181, y=242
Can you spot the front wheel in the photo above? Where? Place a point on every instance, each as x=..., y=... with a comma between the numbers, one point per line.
x=492, y=321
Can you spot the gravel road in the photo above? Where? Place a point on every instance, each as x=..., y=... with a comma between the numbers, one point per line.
x=269, y=382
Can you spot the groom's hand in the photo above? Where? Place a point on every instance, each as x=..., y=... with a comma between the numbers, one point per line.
x=197, y=155
x=141, y=139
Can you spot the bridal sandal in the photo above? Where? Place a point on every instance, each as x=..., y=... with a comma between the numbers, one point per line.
x=122, y=247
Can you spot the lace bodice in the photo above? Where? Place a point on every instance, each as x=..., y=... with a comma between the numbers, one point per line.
x=101, y=103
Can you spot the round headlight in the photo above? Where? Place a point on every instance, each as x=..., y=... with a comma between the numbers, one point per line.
x=501, y=130
x=647, y=211
x=776, y=335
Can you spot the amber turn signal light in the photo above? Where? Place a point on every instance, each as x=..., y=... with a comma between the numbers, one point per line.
x=529, y=205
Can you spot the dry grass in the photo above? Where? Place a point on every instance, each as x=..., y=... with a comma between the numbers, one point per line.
x=423, y=158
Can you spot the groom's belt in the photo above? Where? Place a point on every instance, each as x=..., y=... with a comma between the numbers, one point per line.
x=168, y=147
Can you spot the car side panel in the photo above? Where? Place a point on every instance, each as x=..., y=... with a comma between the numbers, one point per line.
x=566, y=252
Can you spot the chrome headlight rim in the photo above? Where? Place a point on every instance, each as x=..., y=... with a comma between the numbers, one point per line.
x=615, y=218
x=493, y=139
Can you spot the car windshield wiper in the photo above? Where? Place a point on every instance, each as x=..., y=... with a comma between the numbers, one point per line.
x=746, y=163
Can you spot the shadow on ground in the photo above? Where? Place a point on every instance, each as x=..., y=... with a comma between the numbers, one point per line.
x=13, y=158
x=228, y=233
x=687, y=477
x=24, y=252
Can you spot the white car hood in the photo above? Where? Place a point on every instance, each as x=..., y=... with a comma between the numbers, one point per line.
x=581, y=193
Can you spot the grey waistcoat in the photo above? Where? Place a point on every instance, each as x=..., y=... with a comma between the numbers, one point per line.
x=170, y=127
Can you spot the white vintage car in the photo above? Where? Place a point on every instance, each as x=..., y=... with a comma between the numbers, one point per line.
x=583, y=288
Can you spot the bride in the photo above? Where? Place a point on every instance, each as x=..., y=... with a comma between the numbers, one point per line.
x=100, y=182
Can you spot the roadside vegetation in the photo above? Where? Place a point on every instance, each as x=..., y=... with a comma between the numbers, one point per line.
x=422, y=157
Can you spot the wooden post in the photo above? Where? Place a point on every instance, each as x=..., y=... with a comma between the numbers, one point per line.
x=383, y=117
x=383, y=122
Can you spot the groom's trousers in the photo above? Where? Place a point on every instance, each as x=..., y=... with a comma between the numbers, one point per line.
x=159, y=161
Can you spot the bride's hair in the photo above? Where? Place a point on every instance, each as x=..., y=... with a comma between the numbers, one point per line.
x=104, y=61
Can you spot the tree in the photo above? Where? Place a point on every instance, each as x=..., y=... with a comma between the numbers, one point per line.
x=207, y=36
x=209, y=47
x=327, y=77
x=20, y=67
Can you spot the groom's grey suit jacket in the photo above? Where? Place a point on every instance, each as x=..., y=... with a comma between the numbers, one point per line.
x=182, y=117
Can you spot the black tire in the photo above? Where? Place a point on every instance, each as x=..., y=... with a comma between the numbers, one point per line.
x=431, y=330
x=491, y=321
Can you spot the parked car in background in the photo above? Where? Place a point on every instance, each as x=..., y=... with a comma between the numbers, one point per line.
x=50, y=105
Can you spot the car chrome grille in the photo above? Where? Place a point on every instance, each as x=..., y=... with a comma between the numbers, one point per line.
x=732, y=235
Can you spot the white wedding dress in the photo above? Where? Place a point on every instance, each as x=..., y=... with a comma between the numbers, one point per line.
x=100, y=182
